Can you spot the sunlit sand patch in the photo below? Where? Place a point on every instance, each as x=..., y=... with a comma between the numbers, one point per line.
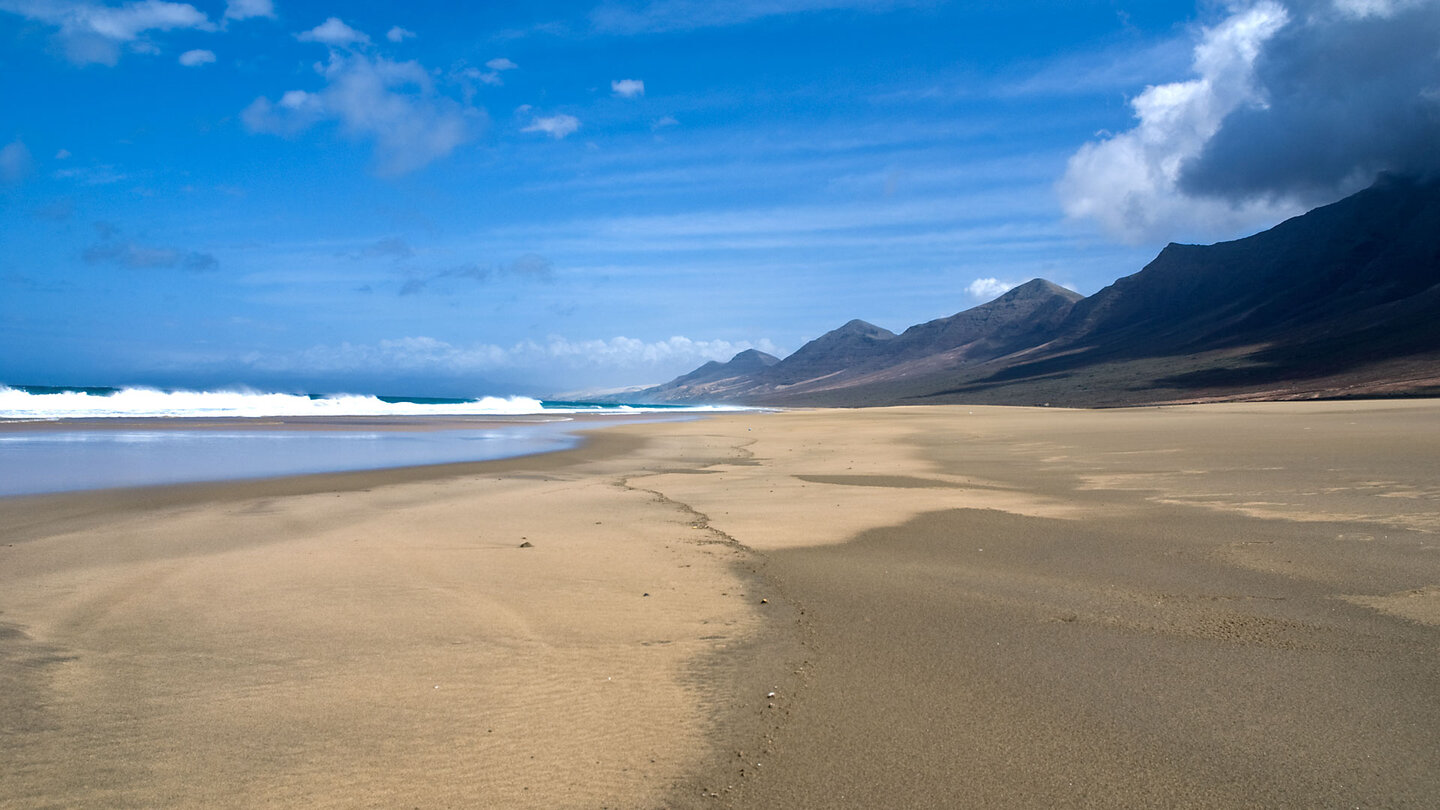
x=1417, y=604
x=809, y=489
x=1156, y=481
x=440, y=661
x=1157, y=451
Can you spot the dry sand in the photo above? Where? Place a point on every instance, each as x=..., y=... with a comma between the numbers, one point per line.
x=1209, y=606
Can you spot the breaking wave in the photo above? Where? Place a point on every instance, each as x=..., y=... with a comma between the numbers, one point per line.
x=34, y=402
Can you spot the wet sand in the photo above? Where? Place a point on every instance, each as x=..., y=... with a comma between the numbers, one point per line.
x=1209, y=606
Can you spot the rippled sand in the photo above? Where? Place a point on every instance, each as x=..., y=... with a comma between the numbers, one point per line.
x=1208, y=606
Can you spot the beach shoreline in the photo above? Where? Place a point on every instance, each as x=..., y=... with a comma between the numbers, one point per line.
x=75, y=454
x=1191, y=606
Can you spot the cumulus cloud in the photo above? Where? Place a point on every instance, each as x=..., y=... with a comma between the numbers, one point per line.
x=15, y=162
x=986, y=289
x=94, y=33
x=1291, y=106
x=112, y=249
x=335, y=33
x=398, y=34
x=1348, y=92
x=246, y=9
x=501, y=63
x=196, y=58
x=428, y=354
x=627, y=88
x=556, y=126
x=392, y=104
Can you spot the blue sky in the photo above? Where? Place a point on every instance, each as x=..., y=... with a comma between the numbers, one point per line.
x=545, y=197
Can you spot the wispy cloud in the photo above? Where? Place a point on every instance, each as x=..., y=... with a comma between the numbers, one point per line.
x=390, y=248
x=398, y=34
x=654, y=16
x=110, y=248
x=197, y=58
x=16, y=163
x=1122, y=67
x=246, y=9
x=529, y=267
x=393, y=104
x=92, y=33
x=99, y=175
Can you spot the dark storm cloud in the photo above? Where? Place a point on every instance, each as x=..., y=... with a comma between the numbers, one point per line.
x=1290, y=105
x=1348, y=89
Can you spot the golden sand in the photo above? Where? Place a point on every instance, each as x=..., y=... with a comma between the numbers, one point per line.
x=1209, y=606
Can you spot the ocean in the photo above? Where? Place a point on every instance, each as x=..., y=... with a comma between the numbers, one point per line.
x=128, y=436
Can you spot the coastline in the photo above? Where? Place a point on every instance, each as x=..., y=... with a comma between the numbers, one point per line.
x=1193, y=606
x=78, y=454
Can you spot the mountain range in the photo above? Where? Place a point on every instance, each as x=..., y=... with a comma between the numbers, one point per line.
x=1343, y=301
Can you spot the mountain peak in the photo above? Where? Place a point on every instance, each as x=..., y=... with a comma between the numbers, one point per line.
x=1039, y=288
x=862, y=328
x=752, y=359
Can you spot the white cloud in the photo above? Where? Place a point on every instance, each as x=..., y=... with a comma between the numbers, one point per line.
x=335, y=33
x=986, y=289
x=428, y=354
x=468, y=75
x=627, y=88
x=556, y=126
x=62, y=154
x=398, y=34
x=100, y=175
x=501, y=63
x=94, y=33
x=15, y=162
x=684, y=15
x=1362, y=9
x=1129, y=182
x=196, y=58
x=666, y=121
x=245, y=9
x=393, y=104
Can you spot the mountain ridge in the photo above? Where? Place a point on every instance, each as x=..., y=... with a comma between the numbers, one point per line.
x=1343, y=300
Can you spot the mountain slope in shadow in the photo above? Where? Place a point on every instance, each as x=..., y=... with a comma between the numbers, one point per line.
x=1341, y=301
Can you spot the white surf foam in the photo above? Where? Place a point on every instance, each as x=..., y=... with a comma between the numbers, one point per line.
x=149, y=402
x=18, y=404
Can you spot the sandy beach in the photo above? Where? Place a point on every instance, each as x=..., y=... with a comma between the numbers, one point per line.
x=1196, y=606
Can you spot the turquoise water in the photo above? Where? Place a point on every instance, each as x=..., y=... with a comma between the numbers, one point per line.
x=47, y=402
x=60, y=454
x=61, y=460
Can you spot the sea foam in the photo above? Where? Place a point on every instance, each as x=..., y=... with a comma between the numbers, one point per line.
x=56, y=403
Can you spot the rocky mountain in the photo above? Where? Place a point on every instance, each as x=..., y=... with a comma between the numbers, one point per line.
x=712, y=382
x=1341, y=301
